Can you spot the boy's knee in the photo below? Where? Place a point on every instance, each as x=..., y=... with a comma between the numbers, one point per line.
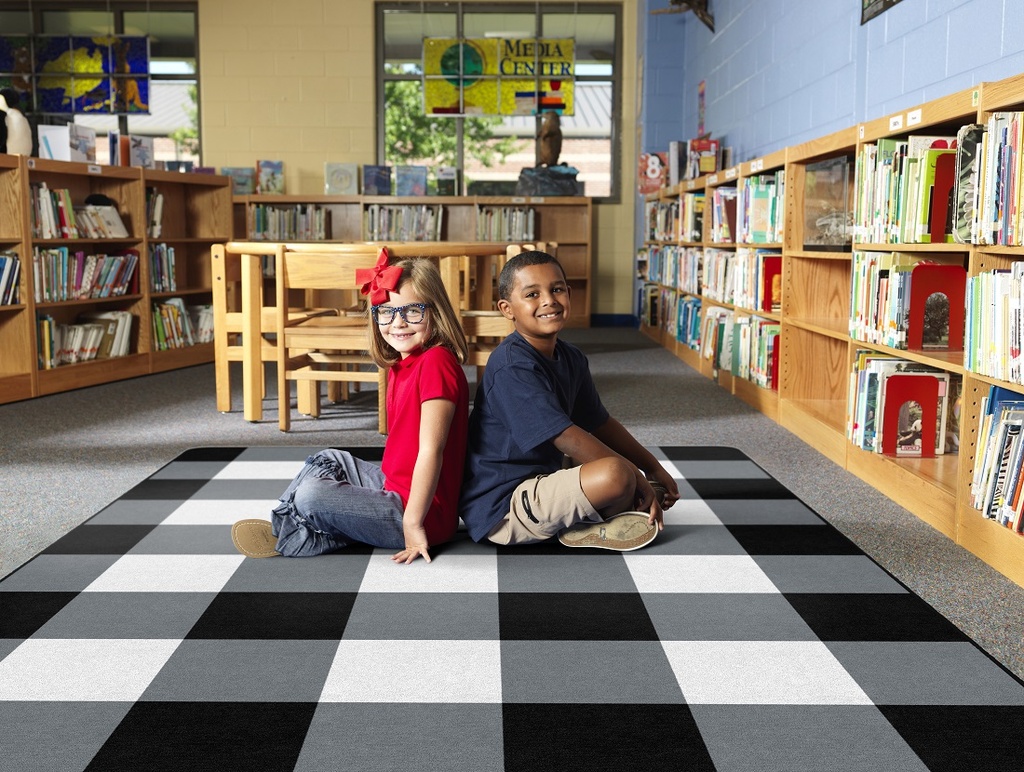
x=608, y=482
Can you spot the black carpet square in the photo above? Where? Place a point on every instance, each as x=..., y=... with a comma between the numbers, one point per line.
x=207, y=737
x=697, y=453
x=210, y=454
x=793, y=540
x=747, y=488
x=602, y=738
x=873, y=617
x=99, y=540
x=958, y=738
x=554, y=616
x=165, y=489
x=22, y=613
x=313, y=616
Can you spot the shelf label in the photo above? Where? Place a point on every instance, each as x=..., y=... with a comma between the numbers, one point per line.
x=534, y=199
x=975, y=97
x=896, y=122
x=914, y=117
x=713, y=179
x=860, y=132
x=518, y=199
x=31, y=163
x=756, y=166
x=730, y=173
x=94, y=169
x=691, y=184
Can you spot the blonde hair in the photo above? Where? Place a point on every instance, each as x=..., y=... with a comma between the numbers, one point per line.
x=422, y=276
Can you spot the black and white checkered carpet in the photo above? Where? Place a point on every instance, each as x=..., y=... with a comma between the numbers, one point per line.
x=751, y=635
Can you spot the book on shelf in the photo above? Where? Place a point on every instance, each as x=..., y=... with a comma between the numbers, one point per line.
x=447, y=181
x=410, y=180
x=185, y=167
x=154, y=212
x=172, y=325
x=162, y=276
x=652, y=172
x=341, y=179
x=702, y=157
x=269, y=177
x=140, y=151
x=117, y=336
x=723, y=215
x=968, y=141
x=10, y=274
x=828, y=197
x=676, y=161
x=71, y=142
x=376, y=180
x=243, y=179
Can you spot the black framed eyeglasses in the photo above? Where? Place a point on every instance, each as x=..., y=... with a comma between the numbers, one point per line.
x=413, y=313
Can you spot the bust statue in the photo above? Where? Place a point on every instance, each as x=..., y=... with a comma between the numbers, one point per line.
x=550, y=139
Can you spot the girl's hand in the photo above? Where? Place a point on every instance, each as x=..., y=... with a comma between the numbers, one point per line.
x=415, y=545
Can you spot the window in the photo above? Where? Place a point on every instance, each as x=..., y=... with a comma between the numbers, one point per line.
x=173, y=100
x=490, y=152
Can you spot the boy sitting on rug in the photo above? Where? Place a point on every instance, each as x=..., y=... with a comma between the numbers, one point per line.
x=537, y=404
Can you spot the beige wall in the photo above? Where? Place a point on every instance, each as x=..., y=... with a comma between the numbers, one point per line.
x=294, y=81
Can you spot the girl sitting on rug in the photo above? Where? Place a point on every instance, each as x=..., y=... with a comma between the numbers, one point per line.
x=410, y=502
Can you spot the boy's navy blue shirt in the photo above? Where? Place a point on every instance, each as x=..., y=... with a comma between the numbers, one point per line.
x=524, y=401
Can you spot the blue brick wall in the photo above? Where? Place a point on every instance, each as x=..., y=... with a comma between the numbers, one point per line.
x=779, y=72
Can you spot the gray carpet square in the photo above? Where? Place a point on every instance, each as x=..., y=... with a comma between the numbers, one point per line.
x=127, y=615
x=725, y=617
x=423, y=616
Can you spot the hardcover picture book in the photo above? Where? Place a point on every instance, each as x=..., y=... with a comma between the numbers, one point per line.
x=447, y=181
x=411, y=180
x=376, y=180
x=269, y=177
x=341, y=179
x=71, y=142
x=243, y=179
x=828, y=205
x=652, y=172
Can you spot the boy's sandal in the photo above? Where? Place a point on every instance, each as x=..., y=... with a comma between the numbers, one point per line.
x=624, y=532
x=254, y=538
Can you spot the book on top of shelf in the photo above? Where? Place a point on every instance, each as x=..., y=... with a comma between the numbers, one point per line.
x=140, y=151
x=184, y=167
x=676, y=161
x=447, y=181
x=701, y=157
x=243, y=179
x=341, y=179
x=71, y=142
x=410, y=180
x=269, y=177
x=376, y=180
x=652, y=172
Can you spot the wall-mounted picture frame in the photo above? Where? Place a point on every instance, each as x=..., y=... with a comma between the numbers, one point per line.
x=869, y=9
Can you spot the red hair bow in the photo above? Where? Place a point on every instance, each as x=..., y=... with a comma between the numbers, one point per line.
x=379, y=280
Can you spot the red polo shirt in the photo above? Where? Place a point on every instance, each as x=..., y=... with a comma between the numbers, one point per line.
x=432, y=373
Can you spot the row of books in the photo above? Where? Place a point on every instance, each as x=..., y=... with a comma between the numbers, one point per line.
x=759, y=208
x=723, y=215
x=677, y=267
x=10, y=274
x=903, y=189
x=661, y=220
x=505, y=223
x=96, y=335
x=995, y=324
x=993, y=177
x=997, y=484
x=879, y=406
x=881, y=293
x=384, y=222
x=54, y=216
x=154, y=212
x=162, y=275
x=289, y=222
x=176, y=325
x=60, y=274
x=688, y=316
x=745, y=345
x=749, y=278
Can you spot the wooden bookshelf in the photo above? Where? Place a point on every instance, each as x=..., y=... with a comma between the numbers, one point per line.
x=196, y=214
x=817, y=350
x=565, y=221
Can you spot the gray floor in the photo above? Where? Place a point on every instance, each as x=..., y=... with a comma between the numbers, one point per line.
x=66, y=456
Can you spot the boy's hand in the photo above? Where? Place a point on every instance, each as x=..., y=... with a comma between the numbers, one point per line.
x=669, y=484
x=415, y=545
x=647, y=501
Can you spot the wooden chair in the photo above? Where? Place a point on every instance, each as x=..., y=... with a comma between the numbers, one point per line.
x=325, y=348
x=237, y=288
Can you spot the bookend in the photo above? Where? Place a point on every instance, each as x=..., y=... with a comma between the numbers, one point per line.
x=948, y=280
x=900, y=389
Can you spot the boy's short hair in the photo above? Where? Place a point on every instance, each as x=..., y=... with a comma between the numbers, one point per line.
x=507, y=279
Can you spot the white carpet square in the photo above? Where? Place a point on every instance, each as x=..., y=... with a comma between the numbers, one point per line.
x=83, y=670
x=761, y=673
x=260, y=470
x=167, y=573
x=415, y=671
x=697, y=573
x=691, y=512
x=446, y=573
x=220, y=511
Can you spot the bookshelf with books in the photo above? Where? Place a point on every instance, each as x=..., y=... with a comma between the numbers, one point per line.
x=864, y=227
x=564, y=221
x=86, y=289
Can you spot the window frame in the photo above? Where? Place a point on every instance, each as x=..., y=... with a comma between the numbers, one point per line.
x=539, y=10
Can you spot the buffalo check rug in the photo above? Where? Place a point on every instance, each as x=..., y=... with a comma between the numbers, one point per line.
x=751, y=635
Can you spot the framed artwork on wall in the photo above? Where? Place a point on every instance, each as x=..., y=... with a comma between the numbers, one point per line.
x=869, y=9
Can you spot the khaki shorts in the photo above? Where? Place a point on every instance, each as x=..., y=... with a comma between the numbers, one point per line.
x=543, y=506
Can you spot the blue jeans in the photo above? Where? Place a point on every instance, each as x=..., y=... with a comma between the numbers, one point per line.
x=334, y=500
